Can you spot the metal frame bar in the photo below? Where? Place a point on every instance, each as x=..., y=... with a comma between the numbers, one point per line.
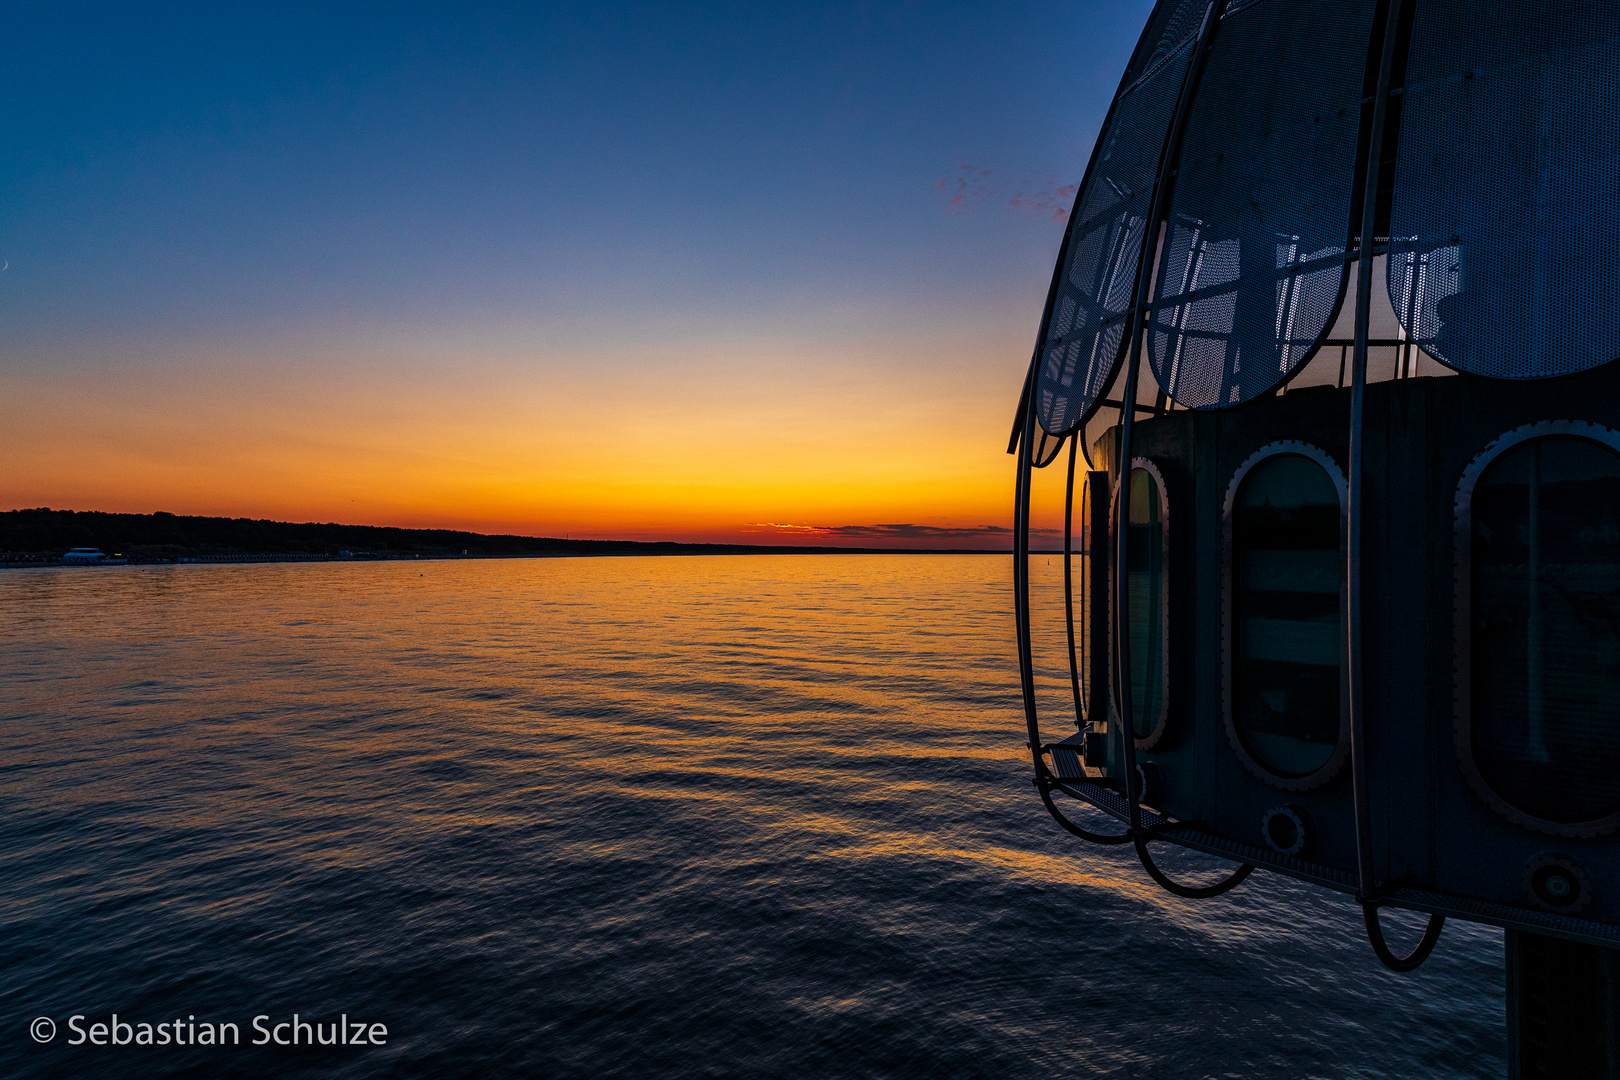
x=1025, y=422
x=1192, y=836
x=1026, y=660
x=1133, y=360
x=1032, y=375
x=1354, y=658
x=1080, y=711
x=1098, y=487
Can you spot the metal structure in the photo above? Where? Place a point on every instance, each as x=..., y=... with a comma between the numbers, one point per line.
x=1332, y=329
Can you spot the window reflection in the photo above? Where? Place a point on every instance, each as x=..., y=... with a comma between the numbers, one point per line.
x=1545, y=664
x=1144, y=572
x=1287, y=568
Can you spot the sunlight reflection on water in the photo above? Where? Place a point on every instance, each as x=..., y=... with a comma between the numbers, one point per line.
x=668, y=816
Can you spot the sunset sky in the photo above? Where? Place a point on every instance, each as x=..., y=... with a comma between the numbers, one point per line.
x=750, y=272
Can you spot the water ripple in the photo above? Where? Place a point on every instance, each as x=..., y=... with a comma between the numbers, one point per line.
x=624, y=817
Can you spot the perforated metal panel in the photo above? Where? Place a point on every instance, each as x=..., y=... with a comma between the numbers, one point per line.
x=1085, y=334
x=1252, y=270
x=1505, y=224
x=1168, y=28
x=1046, y=449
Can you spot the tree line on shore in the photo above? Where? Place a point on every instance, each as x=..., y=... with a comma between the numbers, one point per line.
x=43, y=534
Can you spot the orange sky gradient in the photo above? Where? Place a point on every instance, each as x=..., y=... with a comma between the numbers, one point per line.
x=748, y=274
x=750, y=440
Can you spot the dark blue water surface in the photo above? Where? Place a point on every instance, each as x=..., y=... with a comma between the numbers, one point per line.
x=676, y=817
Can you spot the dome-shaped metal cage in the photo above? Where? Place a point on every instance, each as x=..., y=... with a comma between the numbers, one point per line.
x=1300, y=221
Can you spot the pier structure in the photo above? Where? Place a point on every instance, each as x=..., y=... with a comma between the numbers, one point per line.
x=1328, y=356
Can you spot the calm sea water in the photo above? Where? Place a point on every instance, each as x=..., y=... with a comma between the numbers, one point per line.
x=673, y=817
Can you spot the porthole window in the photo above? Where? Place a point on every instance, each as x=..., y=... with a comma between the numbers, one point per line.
x=1146, y=581
x=1285, y=599
x=1539, y=627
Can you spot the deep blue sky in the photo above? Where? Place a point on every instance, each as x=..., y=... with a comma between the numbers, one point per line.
x=290, y=185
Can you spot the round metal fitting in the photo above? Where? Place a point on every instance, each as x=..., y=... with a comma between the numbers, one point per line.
x=1284, y=829
x=1556, y=882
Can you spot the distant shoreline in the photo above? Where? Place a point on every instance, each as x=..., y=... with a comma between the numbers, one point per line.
x=38, y=537
x=223, y=560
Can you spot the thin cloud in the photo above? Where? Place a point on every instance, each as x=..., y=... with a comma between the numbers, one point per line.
x=967, y=188
x=970, y=186
x=1055, y=201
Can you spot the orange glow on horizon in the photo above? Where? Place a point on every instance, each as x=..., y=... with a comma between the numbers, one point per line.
x=854, y=443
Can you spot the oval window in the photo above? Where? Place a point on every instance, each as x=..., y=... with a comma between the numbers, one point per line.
x=1145, y=592
x=1286, y=571
x=1544, y=627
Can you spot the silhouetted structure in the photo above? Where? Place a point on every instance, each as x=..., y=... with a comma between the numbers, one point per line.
x=1332, y=329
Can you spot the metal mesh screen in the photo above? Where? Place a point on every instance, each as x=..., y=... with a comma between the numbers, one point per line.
x=1168, y=28
x=1046, y=448
x=1505, y=223
x=1253, y=270
x=1085, y=333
